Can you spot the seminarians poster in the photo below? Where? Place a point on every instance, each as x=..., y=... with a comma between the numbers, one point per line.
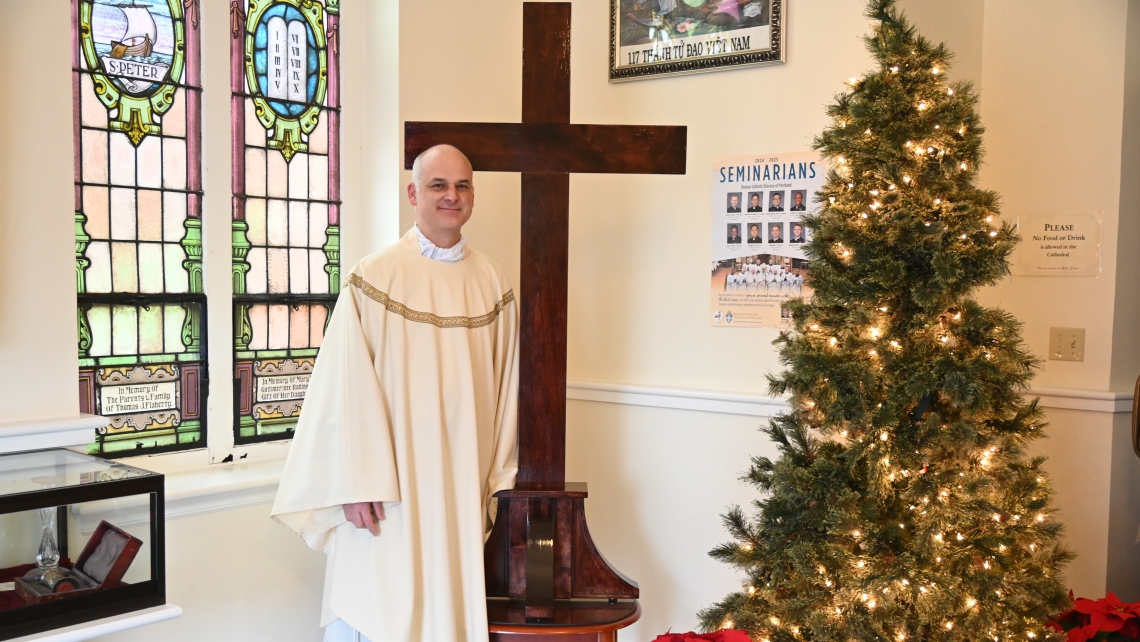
x=758, y=203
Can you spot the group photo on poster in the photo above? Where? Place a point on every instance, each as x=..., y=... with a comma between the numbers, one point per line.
x=758, y=203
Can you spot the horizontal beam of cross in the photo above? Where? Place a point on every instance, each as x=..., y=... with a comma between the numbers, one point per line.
x=555, y=148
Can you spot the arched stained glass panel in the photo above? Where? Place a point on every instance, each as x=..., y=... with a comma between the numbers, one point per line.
x=285, y=109
x=138, y=213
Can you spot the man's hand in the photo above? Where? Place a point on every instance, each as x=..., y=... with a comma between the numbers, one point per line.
x=365, y=515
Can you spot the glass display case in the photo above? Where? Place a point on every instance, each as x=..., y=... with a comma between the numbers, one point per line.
x=81, y=538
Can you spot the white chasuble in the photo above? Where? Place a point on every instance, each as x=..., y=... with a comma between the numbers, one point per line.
x=412, y=402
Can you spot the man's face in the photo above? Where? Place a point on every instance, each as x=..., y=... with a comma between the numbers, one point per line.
x=732, y=232
x=777, y=199
x=775, y=231
x=735, y=201
x=445, y=194
x=799, y=198
x=755, y=200
x=797, y=230
x=755, y=229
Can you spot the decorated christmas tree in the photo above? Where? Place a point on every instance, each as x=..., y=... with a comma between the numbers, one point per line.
x=903, y=505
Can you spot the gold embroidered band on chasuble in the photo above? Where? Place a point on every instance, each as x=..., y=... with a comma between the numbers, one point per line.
x=427, y=317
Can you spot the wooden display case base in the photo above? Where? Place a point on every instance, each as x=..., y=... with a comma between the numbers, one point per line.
x=572, y=621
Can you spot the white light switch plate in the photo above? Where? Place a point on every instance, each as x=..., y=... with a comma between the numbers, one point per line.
x=1067, y=344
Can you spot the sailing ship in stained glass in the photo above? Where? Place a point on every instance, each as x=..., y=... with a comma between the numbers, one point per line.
x=286, y=124
x=141, y=314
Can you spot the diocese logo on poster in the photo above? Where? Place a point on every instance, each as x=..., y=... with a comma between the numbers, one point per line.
x=758, y=235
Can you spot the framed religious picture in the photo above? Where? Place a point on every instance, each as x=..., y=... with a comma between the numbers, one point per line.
x=650, y=38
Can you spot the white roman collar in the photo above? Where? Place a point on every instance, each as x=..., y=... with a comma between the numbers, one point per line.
x=445, y=254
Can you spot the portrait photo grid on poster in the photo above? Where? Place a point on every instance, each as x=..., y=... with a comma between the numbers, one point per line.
x=758, y=203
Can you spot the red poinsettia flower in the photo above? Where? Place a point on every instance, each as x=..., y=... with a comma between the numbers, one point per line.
x=723, y=635
x=1106, y=615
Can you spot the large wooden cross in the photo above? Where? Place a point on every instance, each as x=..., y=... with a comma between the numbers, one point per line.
x=547, y=148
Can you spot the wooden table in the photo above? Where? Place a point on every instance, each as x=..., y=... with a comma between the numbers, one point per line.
x=573, y=621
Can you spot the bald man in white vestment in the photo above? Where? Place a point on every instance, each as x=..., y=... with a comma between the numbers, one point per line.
x=409, y=427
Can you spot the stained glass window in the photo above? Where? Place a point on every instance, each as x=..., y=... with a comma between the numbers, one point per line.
x=138, y=213
x=286, y=207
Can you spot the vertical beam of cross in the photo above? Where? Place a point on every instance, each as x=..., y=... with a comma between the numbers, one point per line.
x=544, y=255
x=547, y=148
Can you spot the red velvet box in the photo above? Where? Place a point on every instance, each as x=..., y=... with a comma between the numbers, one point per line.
x=99, y=568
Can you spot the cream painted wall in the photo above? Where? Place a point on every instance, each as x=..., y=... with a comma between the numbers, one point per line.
x=37, y=228
x=238, y=577
x=1052, y=149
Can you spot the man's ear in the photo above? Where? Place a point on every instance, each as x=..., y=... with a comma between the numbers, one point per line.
x=412, y=194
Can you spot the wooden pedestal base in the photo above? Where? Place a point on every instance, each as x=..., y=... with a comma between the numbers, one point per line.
x=572, y=621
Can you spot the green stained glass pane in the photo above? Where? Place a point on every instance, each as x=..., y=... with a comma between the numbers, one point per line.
x=99, y=319
x=176, y=278
x=124, y=330
x=255, y=218
x=175, y=315
x=150, y=267
x=150, y=330
x=124, y=267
